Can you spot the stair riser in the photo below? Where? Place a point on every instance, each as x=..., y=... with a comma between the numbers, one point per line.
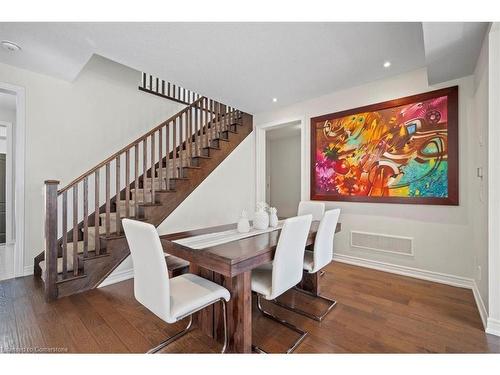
x=171, y=174
x=123, y=209
x=148, y=183
x=91, y=247
x=142, y=197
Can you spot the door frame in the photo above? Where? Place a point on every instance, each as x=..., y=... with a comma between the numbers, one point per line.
x=19, y=144
x=493, y=325
x=260, y=156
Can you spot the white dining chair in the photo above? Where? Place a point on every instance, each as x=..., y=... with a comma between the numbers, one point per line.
x=170, y=299
x=273, y=279
x=315, y=260
x=316, y=209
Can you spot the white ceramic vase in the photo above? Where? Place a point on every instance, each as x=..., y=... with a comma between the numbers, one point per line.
x=273, y=217
x=243, y=223
x=261, y=219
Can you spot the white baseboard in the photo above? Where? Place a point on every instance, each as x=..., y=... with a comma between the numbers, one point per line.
x=443, y=278
x=480, y=305
x=117, y=276
x=28, y=270
x=493, y=327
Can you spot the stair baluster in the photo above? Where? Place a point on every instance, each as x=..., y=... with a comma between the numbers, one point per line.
x=107, y=221
x=75, y=230
x=51, y=239
x=85, y=217
x=117, y=191
x=127, y=183
x=152, y=169
x=167, y=146
x=97, y=244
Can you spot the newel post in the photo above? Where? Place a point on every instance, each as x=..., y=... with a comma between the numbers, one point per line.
x=51, y=239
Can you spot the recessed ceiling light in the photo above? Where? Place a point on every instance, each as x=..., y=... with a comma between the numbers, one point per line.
x=387, y=64
x=10, y=46
x=275, y=100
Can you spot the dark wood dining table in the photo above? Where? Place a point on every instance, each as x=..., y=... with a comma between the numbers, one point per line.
x=230, y=264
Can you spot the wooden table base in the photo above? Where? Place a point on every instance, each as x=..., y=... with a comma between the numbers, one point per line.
x=310, y=282
x=239, y=311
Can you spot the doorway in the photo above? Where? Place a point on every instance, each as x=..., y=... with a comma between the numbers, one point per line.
x=283, y=167
x=11, y=181
x=7, y=119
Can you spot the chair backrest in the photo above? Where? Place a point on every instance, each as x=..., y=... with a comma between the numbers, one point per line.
x=151, y=282
x=289, y=257
x=316, y=209
x=323, y=243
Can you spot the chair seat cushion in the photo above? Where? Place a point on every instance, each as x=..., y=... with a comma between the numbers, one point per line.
x=309, y=261
x=189, y=293
x=262, y=280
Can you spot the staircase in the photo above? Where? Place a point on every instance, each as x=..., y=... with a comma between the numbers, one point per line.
x=146, y=180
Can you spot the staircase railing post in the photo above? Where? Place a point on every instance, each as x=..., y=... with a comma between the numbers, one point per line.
x=51, y=239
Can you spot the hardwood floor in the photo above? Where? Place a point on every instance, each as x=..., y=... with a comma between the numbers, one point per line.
x=377, y=312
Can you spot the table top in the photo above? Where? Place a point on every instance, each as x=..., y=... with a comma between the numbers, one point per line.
x=231, y=258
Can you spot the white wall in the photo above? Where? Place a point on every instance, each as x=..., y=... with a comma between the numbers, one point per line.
x=283, y=156
x=443, y=240
x=477, y=186
x=70, y=127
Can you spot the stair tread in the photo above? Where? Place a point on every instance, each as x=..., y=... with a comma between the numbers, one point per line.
x=140, y=190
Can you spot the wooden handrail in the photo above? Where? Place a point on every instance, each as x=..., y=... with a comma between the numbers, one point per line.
x=129, y=146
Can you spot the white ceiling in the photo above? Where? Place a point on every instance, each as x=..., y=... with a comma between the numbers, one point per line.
x=452, y=48
x=242, y=64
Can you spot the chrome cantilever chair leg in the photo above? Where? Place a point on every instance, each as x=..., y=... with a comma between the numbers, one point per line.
x=224, y=316
x=172, y=338
x=187, y=329
x=318, y=318
x=302, y=333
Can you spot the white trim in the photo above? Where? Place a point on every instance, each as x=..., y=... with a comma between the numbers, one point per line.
x=438, y=277
x=493, y=327
x=480, y=304
x=117, y=276
x=494, y=180
x=410, y=254
x=19, y=190
x=260, y=156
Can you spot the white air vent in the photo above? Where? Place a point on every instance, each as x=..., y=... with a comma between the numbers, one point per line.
x=382, y=242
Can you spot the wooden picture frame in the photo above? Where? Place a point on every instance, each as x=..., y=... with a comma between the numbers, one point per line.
x=336, y=125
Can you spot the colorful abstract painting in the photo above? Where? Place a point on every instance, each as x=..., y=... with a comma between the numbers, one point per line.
x=396, y=151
